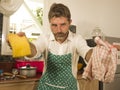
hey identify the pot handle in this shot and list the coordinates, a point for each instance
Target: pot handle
(28, 66)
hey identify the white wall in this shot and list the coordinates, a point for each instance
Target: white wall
(87, 14)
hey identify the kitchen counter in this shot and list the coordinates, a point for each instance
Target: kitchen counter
(17, 80)
(31, 84)
(20, 84)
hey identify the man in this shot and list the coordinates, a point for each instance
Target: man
(62, 49)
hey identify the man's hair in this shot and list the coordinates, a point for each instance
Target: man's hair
(59, 10)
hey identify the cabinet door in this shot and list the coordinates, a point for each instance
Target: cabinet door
(18, 86)
(88, 85)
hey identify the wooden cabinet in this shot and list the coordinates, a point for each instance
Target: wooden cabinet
(19, 84)
(88, 85)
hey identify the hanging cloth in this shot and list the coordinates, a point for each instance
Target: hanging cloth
(8, 7)
(102, 64)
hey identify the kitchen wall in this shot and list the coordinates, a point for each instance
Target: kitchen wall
(87, 14)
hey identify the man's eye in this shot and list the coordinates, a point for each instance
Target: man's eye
(63, 24)
(54, 25)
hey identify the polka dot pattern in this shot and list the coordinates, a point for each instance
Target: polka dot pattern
(58, 74)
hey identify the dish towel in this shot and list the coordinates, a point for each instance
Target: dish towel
(20, 46)
(103, 62)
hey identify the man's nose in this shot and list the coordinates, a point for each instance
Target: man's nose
(59, 29)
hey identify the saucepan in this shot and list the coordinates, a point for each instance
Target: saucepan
(28, 71)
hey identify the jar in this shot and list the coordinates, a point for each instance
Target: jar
(1, 74)
(97, 33)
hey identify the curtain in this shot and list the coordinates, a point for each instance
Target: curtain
(8, 7)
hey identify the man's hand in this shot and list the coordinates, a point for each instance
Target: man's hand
(117, 45)
(8, 43)
(88, 55)
(19, 34)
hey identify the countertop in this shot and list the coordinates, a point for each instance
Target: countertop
(20, 84)
(19, 80)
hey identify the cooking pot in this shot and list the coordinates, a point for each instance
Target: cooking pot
(28, 71)
(39, 64)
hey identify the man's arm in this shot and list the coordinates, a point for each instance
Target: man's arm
(88, 55)
(33, 50)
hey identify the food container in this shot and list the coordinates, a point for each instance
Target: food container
(28, 71)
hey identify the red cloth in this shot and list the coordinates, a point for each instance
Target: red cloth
(102, 64)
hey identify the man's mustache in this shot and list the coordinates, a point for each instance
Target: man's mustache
(60, 34)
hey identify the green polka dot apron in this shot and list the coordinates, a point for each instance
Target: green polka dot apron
(58, 75)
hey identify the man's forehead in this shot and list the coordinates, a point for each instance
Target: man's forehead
(58, 20)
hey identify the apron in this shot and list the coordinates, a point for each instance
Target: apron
(58, 75)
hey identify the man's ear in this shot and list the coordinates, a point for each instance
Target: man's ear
(70, 21)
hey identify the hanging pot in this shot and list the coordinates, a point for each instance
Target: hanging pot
(28, 71)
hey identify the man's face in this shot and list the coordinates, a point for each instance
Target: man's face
(60, 27)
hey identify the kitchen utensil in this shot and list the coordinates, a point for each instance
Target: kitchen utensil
(11, 75)
(39, 64)
(28, 71)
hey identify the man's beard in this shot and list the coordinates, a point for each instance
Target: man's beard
(60, 35)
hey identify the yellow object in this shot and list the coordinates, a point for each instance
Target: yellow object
(20, 45)
(79, 66)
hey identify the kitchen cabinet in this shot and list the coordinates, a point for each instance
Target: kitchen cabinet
(19, 84)
(31, 84)
(88, 85)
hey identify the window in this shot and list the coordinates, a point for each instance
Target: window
(28, 19)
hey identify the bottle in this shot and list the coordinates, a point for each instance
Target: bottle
(97, 33)
(1, 74)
